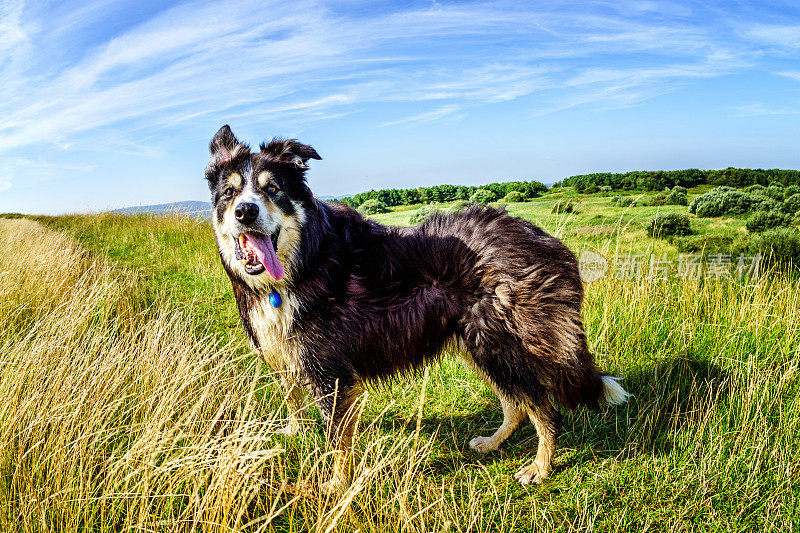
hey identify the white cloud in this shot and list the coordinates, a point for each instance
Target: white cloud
(304, 62)
(755, 109)
(4, 185)
(793, 74)
(428, 116)
(780, 35)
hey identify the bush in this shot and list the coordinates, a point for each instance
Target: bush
(668, 224)
(591, 189)
(791, 206)
(779, 244)
(755, 189)
(702, 243)
(681, 190)
(483, 196)
(422, 213)
(775, 192)
(676, 198)
(658, 199)
(565, 206)
(460, 205)
(721, 201)
(625, 201)
(791, 190)
(373, 207)
(764, 203)
(763, 220)
(514, 196)
(605, 188)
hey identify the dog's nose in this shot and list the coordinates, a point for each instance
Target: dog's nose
(246, 212)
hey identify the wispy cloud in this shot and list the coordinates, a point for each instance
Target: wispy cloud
(427, 116)
(309, 62)
(757, 109)
(780, 35)
(116, 76)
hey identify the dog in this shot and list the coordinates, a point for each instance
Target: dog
(334, 300)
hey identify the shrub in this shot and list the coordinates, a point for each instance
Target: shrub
(763, 220)
(605, 188)
(791, 206)
(668, 224)
(514, 196)
(702, 243)
(658, 199)
(373, 207)
(755, 189)
(791, 190)
(483, 196)
(676, 197)
(721, 201)
(680, 189)
(422, 213)
(625, 201)
(775, 192)
(460, 205)
(591, 189)
(781, 244)
(764, 203)
(565, 206)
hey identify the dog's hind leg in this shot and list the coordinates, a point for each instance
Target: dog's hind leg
(513, 416)
(547, 421)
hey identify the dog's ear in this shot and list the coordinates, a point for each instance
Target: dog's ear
(290, 151)
(224, 147)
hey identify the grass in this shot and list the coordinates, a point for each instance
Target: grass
(598, 221)
(130, 401)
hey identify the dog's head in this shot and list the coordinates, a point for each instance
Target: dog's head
(260, 200)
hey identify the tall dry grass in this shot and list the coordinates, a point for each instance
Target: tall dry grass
(116, 419)
(116, 416)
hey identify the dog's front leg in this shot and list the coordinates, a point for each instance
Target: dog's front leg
(341, 411)
(295, 396)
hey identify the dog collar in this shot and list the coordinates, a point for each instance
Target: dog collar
(275, 299)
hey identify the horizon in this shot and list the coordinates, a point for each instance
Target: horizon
(110, 104)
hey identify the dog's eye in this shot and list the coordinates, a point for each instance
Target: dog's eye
(228, 192)
(272, 189)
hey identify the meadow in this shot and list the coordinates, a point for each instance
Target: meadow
(130, 400)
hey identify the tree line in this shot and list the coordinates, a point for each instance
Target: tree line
(443, 193)
(648, 180)
(658, 180)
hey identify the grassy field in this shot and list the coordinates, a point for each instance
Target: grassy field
(130, 400)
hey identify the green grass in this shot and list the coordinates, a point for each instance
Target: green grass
(131, 400)
(598, 221)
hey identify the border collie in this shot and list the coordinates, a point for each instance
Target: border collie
(334, 300)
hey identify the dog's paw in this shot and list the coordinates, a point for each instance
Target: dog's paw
(483, 444)
(333, 487)
(531, 474)
(292, 428)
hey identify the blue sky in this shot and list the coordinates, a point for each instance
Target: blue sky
(108, 104)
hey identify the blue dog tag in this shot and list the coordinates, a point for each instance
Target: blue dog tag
(275, 299)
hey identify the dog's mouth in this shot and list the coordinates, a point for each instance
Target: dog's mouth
(257, 252)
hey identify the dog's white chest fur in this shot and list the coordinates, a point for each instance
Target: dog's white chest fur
(272, 327)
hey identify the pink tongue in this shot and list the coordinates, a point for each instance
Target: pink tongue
(266, 254)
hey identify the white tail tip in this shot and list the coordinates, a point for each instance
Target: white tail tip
(613, 393)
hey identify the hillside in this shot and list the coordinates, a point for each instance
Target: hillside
(130, 397)
(190, 207)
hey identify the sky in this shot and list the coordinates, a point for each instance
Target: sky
(108, 104)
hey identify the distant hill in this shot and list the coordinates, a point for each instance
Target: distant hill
(191, 207)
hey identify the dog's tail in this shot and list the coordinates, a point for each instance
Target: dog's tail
(613, 393)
